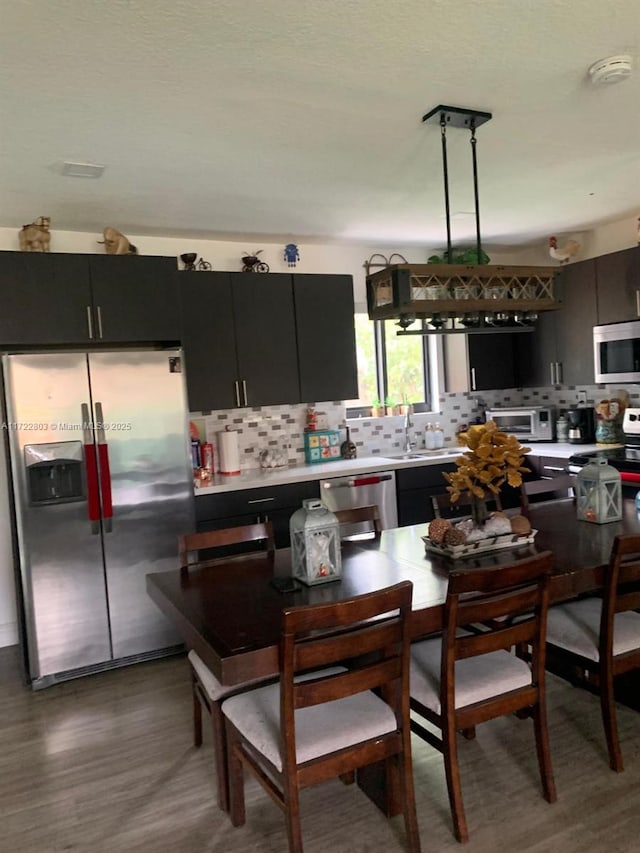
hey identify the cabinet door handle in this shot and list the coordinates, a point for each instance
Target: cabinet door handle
(237, 389)
(261, 501)
(89, 322)
(473, 379)
(554, 468)
(638, 302)
(558, 373)
(552, 372)
(99, 312)
(244, 392)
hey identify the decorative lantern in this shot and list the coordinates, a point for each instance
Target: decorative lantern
(315, 543)
(599, 492)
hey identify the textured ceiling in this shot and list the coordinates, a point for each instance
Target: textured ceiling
(302, 119)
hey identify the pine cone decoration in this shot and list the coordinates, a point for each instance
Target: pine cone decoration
(437, 530)
(454, 536)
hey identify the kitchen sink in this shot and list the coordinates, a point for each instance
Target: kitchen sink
(417, 454)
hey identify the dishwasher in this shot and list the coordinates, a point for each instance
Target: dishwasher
(362, 490)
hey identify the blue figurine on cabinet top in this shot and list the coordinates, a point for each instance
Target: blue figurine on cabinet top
(291, 254)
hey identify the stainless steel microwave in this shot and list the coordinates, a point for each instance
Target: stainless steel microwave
(527, 423)
(616, 352)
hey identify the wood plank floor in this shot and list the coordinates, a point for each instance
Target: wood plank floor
(105, 763)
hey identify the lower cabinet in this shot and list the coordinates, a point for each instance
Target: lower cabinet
(414, 489)
(247, 506)
(416, 486)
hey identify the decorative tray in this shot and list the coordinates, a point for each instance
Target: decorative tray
(481, 546)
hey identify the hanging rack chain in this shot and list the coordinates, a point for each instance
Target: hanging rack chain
(445, 170)
(474, 158)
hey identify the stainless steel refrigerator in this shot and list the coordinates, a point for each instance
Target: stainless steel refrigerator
(102, 486)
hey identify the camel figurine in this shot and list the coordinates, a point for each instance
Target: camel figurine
(115, 243)
(35, 236)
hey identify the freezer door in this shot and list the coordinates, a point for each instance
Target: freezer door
(146, 485)
(60, 547)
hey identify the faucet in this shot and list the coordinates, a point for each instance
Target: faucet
(408, 423)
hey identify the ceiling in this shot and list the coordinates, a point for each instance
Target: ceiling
(302, 120)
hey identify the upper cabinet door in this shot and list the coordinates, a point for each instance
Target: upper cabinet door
(266, 338)
(45, 298)
(492, 361)
(135, 298)
(326, 337)
(577, 317)
(618, 286)
(209, 341)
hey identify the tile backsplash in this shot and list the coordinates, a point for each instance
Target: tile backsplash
(282, 427)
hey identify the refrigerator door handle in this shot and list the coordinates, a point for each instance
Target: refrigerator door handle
(91, 467)
(105, 473)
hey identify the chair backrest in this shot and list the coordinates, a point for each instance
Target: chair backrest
(550, 487)
(510, 605)
(359, 515)
(212, 541)
(443, 508)
(622, 587)
(370, 631)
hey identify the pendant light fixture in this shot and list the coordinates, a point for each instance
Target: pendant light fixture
(465, 295)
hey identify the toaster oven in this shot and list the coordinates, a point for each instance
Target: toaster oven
(527, 423)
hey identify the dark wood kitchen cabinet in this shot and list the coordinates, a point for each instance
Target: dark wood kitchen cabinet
(326, 337)
(259, 340)
(135, 298)
(414, 489)
(618, 286)
(492, 361)
(560, 349)
(51, 298)
(239, 339)
(246, 506)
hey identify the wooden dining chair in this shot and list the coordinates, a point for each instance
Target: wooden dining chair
(466, 678)
(207, 690)
(317, 725)
(359, 515)
(549, 488)
(443, 508)
(601, 636)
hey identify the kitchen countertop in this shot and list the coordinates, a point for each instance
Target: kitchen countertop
(253, 478)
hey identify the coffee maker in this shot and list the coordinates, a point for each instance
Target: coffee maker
(582, 425)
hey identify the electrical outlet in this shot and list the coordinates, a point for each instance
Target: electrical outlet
(582, 397)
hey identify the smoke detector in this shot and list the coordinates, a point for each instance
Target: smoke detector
(612, 69)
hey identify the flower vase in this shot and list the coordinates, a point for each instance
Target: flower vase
(479, 512)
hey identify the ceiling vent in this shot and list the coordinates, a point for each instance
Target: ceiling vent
(82, 170)
(613, 69)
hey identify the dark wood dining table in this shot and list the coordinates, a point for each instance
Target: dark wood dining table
(231, 614)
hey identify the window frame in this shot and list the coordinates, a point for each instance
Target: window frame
(432, 369)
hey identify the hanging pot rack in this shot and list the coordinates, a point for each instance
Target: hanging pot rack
(458, 298)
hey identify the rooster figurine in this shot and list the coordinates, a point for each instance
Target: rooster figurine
(564, 253)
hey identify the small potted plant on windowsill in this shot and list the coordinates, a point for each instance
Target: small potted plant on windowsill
(377, 410)
(389, 405)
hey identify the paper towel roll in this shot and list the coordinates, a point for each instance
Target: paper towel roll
(228, 452)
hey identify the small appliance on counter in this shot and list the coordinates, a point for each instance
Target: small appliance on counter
(625, 459)
(527, 423)
(582, 425)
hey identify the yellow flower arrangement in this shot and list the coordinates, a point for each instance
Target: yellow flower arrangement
(493, 459)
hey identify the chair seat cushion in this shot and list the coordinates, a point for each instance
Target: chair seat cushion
(477, 678)
(320, 729)
(213, 688)
(576, 627)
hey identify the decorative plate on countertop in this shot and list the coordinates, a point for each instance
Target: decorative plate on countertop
(480, 546)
